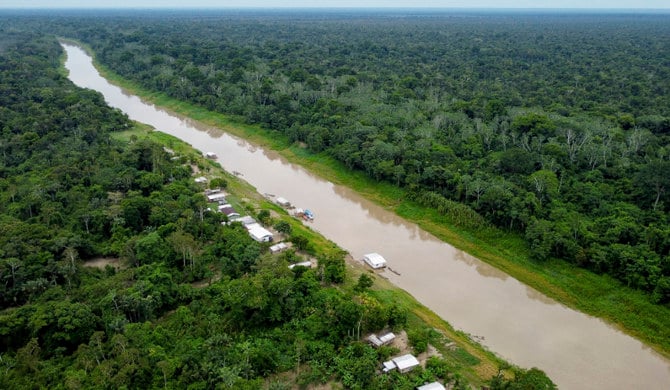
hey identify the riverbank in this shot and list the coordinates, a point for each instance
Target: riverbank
(592, 294)
(467, 358)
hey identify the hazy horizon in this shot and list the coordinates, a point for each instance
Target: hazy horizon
(343, 4)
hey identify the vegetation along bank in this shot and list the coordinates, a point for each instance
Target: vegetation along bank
(512, 139)
(185, 301)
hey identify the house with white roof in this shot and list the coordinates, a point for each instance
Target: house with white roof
(375, 260)
(431, 386)
(259, 233)
(404, 363)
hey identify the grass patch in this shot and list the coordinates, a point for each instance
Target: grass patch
(601, 296)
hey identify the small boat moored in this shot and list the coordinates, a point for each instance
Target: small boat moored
(305, 214)
(309, 215)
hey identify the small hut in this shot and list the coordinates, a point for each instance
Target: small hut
(404, 363)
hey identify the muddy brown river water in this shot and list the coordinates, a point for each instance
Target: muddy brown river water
(518, 323)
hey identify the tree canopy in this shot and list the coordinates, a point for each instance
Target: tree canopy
(73, 192)
(554, 127)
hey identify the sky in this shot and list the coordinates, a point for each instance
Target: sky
(627, 4)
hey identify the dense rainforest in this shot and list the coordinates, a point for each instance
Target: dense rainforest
(72, 192)
(555, 127)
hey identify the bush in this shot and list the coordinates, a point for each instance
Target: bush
(264, 217)
(364, 282)
(418, 339)
(218, 182)
(283, 227)
(438, 367)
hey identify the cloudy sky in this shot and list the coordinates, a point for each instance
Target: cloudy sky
(335, 3)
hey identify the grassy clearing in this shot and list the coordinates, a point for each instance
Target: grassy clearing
(601, 296)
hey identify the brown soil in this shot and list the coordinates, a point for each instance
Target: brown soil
(102, 262)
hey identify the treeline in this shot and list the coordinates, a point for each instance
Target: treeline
(555, 127)
(72, 193)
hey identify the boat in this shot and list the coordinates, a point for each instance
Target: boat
(211, 155)
(309, 215)
(375, 260)
(283, 202)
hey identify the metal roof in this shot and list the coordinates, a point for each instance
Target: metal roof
(431, 386)
(387, 338)
(374, 259)
(258, 232)
(405, 361)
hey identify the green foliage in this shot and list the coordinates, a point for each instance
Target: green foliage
(218, 182)
(151, 248)
(563, 134)
(61, 327)
(460, 214)
(533, 124)
(474, 157)
(438, 367)
(541, 238)
(419, 339)
(364, 282)
(144, 325)
(300, 242)
(357, 365)
(283, 227)
(575, 164)
(264, 217)
(333, 268)
(533, 379)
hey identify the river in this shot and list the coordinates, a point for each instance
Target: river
(522, 325)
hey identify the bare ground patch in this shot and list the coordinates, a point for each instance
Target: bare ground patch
(103, 262)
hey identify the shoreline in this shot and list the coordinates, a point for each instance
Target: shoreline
(580, 289)
(488, 362)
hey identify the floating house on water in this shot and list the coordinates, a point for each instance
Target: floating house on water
(283, 202)
(375, 260)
